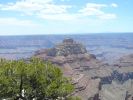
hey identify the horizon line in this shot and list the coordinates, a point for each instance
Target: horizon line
(89, 33)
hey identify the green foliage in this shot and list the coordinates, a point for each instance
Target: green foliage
(38, 79)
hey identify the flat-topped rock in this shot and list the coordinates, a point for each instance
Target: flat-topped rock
(68, 41)
(67, 47)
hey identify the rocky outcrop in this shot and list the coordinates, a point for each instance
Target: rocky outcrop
(93, 79)
(125, 61)
(119, 86)
(117, 91)
(77, 63)
(67, 47)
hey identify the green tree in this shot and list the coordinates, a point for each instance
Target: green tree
(32, 79)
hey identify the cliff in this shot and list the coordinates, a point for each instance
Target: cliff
(93, 79)
(76, 63)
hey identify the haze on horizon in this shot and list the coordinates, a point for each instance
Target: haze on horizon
(30, 17)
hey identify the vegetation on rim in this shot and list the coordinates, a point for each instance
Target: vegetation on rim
(33, 79)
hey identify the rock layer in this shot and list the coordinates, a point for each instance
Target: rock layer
(67, 47)
(93, 79)
(75, 62)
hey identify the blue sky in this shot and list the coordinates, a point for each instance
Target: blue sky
(27, 17)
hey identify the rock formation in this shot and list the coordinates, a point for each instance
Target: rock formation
(93, 79)
(67, 47)
(121, 84)
(75, 62)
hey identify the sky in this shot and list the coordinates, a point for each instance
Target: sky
(30, 17)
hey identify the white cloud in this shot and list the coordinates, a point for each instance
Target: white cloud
(47, 9)
(96, 10)
(61, 17)
(114, 5)
(95, 5)
(107, 16)
(92, 9)
(64, 0)
(54, 9)
(14, 21)
(14, 26)
(33, 7)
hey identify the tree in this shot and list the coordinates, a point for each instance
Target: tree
(32, 79)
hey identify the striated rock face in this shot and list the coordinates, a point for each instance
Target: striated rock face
(125, 61)
(117, 91)
(76, 63)
(120, 86)
(93, 79)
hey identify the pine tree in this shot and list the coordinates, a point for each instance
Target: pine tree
(32, 79)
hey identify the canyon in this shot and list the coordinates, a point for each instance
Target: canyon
(93, 79)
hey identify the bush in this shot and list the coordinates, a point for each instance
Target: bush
(32, 79)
